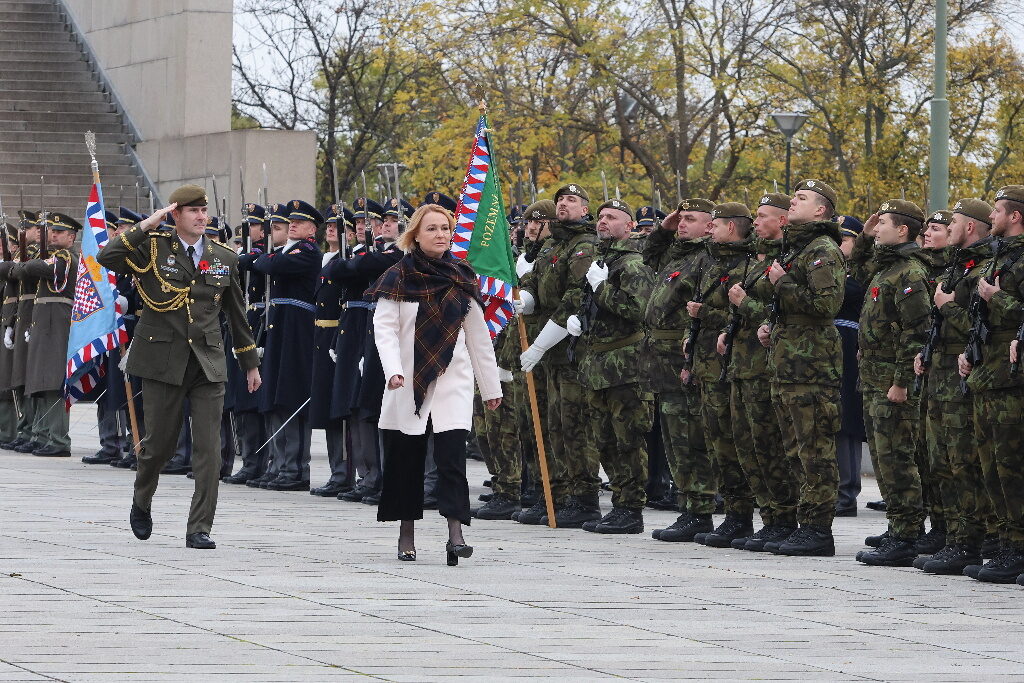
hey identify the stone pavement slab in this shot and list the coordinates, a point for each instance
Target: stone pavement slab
(306, 588)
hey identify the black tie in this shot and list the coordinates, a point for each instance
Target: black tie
(192, 255)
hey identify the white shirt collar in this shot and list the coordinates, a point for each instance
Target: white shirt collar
(199, 248)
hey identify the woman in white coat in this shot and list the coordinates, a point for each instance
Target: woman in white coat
(432, 339)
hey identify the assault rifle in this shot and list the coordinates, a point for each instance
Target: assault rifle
(935, 324)
(977, 312)
(587, 312)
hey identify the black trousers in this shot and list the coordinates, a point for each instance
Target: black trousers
(401, 496)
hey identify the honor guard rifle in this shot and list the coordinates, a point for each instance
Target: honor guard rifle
(246, 235)
(3, 239)
(44, 250)
(398, 196)
(23, 227)
(339, 207)
(367, 230)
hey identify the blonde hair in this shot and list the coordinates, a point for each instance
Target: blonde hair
(407, 240)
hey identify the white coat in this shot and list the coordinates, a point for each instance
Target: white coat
(394, 331)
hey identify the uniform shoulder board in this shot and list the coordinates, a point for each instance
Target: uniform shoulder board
(225, 247)
(161, 233)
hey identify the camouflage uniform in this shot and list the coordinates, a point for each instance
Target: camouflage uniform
(622, 412)
(556, 285)
(773, 476)
(730, 267)
(500, 428)
(805, 359)
(678, 264)
(893, 326)
(999, 400)
(952, 444)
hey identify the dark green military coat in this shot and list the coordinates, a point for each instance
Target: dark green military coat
(51, 320)
(8, 312)
(27, 286)
(750, 357)
(731, 263)
(182, 305)
(1005, 314)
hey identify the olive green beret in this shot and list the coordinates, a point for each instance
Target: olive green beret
(543, 210)
(941, 216)
(731, 210)
(189, 195)
(60, 221)
(901, 207)
(1015, 193)
(977, 209)
(574, 190)
(696, 204)
(616, 204)
(824, 189)
(776, 199)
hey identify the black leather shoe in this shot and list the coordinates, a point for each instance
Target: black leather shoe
(329, 490)
(619, 521)
(176, 466)
(141, 522)
(201, 541)
(28, 447)
(878, 505)
(498, 507)
(355, 495)
(455, 551)
(1020, 580)
(239, 477)
(11, 445)
(953, 561)
(190, 475)
(808, 542)
(429, 502)
(896, 552)
(846, 511)
(101, 458)
(373, 498)
(125, 463)
(52, 452)
(733, 527)
(281, 484)
(692, 525)
(261, 481)
(932, 542)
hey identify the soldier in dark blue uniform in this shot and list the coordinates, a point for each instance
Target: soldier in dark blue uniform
(287, 358)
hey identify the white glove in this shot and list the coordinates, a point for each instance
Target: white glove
(574, 326)
(121, 303)
(548, 337)
(27, 336)
(9, 338)
(504, 375)
(361, 366)
(596, 274)
(333, 354)
(259, 352)
(523, 266)
(525, 304)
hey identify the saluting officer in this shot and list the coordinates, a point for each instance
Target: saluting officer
(185, 281)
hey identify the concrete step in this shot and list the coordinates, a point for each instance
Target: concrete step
(37, 149)
(20, 61)
(73, 188)
(50, 16)
(44, 127)
(74, 137)
(54, 117)
(49, 75)
(84, 81)
(20, 39)
(47, 96)
(56, 106)
(19, 49)
(56, 162)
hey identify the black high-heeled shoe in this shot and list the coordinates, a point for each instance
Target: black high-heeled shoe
(407, 555)
(456, 551)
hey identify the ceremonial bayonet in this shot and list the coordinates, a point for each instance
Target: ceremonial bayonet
(367, 230)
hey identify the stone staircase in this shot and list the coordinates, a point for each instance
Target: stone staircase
(49, 97)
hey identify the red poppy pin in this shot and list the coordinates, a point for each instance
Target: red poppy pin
(672, 276)
(204, 266)
(554, 260)
(723, 279)
(874, 293)
(969, 265)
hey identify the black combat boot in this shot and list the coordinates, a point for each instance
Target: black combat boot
(778, 537)
(922, 560)
(534, 514)
(953, 560)
(732, 527)
(621, 521)
(577, 511)
(696, 524)
(990, 547)
(498, 507)
(1007, 571)
(877, 541)
(896, 552)
(681, 521)
(973, 570)
(933, 541)
(808, 541)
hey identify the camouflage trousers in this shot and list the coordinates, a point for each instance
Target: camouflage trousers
(691, 466)
(893, 431)
(773, 477)
(504, 452)
(716, 411)
(573, 462)
(936, 507)
(808, 416)
(953, 453)
(999, 432)
(620, 419)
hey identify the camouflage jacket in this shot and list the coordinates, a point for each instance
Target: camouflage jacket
(749, 356)
(731, 262)
(558, 276)
(612, 355)
(1005, 314)
(665, 313)
(805, 346)
(967, 264)
(894, 319)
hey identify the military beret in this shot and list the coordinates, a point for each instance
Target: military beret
(696, 204)
(128, 217)
(776, 199)
(825, 190)
(277, 213)
(303, 211)
(646, 215)
(254, 213)
(60, 221)
(367, 208)
(393, 207)
(731, 210)
(617, 204)
(850, 226)
(515, 213)
(977, 209)
(441, 199)
(543, 210)
(189, 195)
(901, 207)
(1014, 193)
(573, 189)
(941, 216)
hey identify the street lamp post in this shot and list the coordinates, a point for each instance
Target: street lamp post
(938, 175)
(789, 122)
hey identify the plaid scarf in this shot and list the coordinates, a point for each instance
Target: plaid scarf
(443, 288)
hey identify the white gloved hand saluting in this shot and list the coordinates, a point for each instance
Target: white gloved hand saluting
(525, 304)
(548, 337)
(333, 354)
(574, 326)
(596, 274)
(9, 338)
(523, 266)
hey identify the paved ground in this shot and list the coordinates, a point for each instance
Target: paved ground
(306, 588)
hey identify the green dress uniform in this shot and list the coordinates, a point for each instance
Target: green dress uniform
(178, 351)
(27, 287)
(8, 409)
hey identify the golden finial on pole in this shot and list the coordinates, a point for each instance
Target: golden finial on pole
(90, 144)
